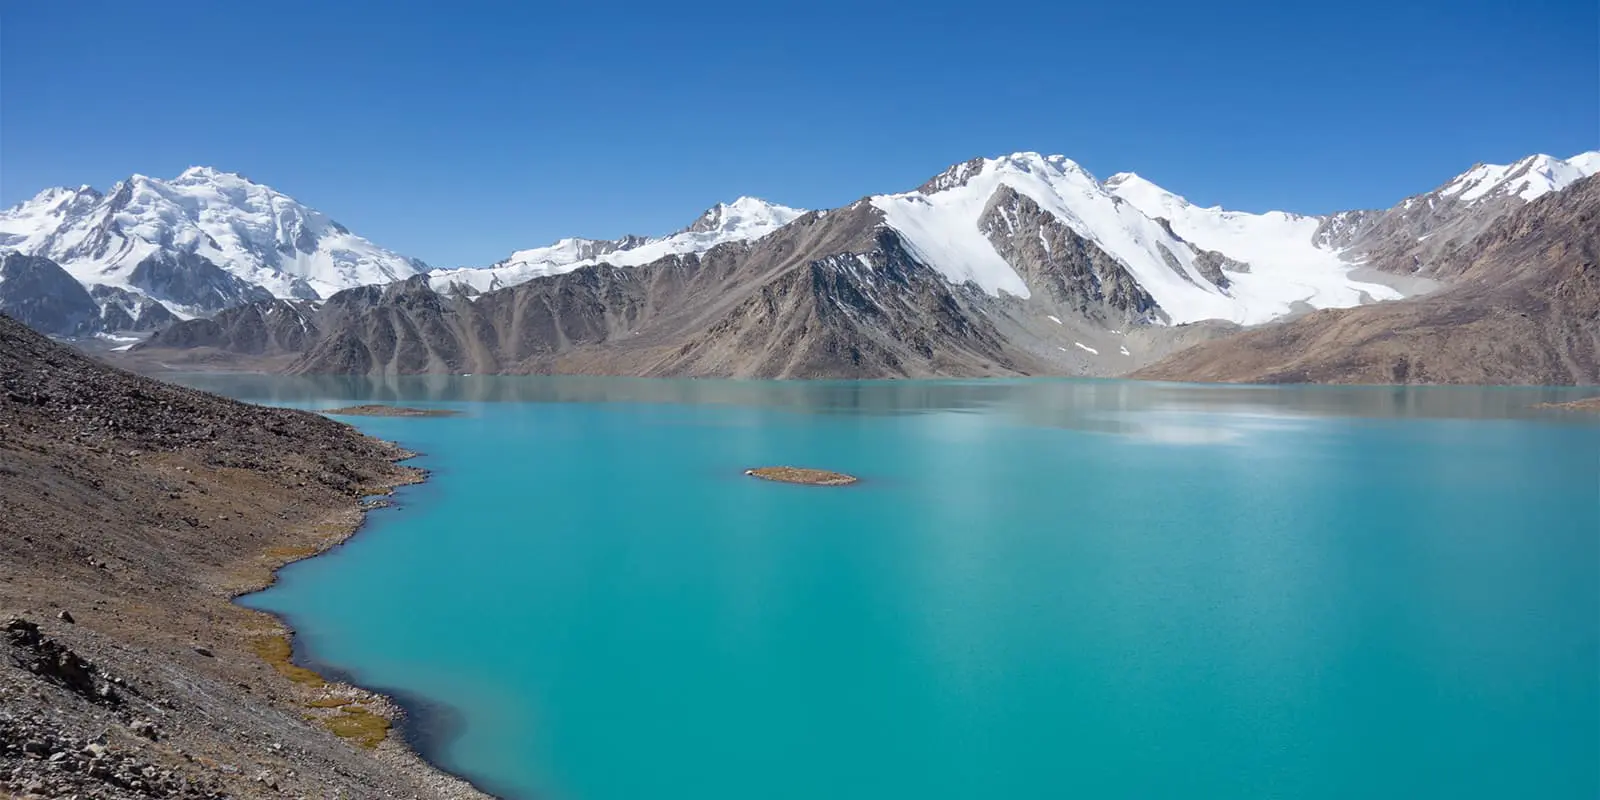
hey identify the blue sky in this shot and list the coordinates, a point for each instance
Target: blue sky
(459, 132)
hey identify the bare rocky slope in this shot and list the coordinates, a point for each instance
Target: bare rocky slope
(1522, 307)
(131, 512)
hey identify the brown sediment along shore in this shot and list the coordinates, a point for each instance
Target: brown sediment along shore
(375, 410)
(132, 512)
(1585, 404)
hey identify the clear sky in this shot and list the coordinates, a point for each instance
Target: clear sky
(457, 132)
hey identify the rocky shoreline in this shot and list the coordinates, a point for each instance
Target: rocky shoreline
(132, 513)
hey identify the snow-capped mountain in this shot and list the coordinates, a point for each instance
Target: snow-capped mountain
(1280, 261)
(745, 219)
(202, 241)
(1418, 233)
(1160, 238)
(1528, 178)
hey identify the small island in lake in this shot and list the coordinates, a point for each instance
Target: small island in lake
(807, 476)
(375, 410)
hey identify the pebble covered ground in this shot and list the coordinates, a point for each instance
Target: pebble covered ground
(132, 512)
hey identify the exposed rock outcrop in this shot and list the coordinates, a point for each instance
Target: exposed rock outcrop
(1069, 269)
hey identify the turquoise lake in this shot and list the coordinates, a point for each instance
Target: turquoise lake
(1040, 589)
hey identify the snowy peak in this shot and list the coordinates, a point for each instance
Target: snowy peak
(202, 173)
(1146, 195)
(1527, 179)
(744, 216)
(1276, 262)
(745, 219)
(1170, 247)
(1027, 163)
(25, 227)
(254, 234)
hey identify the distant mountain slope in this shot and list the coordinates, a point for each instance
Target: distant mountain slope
(745, 219)
(1523, 308)
(201, 242)
(1416, 234)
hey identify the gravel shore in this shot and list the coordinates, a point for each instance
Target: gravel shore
(132, 512)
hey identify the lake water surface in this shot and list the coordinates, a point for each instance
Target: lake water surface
(1040, 589)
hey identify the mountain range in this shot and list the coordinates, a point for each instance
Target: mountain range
(1021, 264)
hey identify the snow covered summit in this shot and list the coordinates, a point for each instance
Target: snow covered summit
(193, 233)
(1163, 242)
(745, 219)
(1528, 178)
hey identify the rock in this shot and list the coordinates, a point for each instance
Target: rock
(22, 633)
(66, 616)
(204, 651)
(35, 748)
(53, 661)
(143, 727)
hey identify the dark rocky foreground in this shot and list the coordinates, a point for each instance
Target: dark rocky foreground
(131, 513)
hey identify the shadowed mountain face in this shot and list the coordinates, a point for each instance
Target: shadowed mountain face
(123, 311)
(1522, 307)
(192, 281)
(267, 327)
(41, 295)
